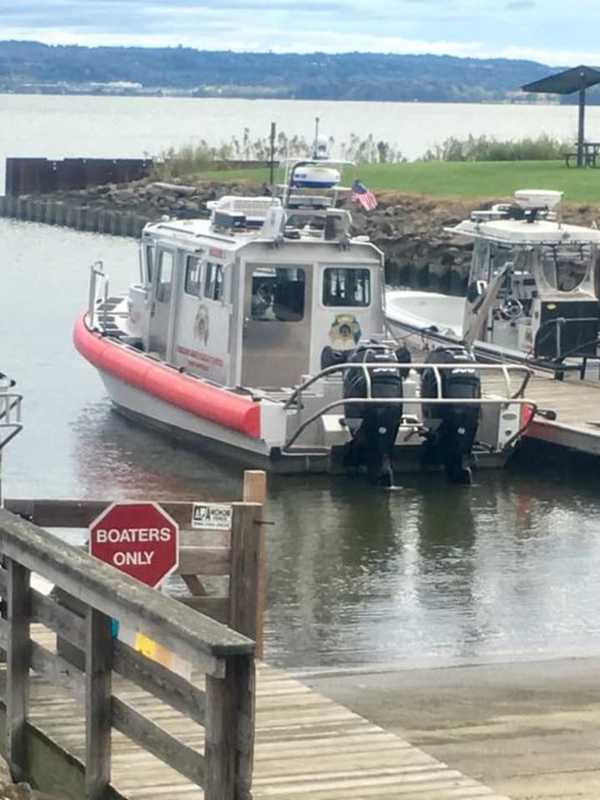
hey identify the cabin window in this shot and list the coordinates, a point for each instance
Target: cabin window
(149, 263)
(278, 294)
(193, 275)
(165, 275)
(213, 281)
(346, 286)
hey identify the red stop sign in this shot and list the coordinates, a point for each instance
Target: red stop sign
(137, 538)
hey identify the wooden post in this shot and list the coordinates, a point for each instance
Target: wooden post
(255, 491)
(98, 691)
(229, 749)
(246, 592)
(255, 486)
(17, 666)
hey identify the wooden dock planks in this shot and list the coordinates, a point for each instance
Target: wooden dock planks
(576, 403)
(307, 746)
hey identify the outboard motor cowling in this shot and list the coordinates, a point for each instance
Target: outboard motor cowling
(454, 426)
(374, 426)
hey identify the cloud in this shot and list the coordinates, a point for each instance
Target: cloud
(453, 27)
(520, 5)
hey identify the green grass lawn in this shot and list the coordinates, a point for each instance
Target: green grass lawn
(459, 179)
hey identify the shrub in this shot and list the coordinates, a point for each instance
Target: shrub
(483, 148)
(191, 159)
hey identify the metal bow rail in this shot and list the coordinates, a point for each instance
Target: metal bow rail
(98, 297)
(10, 410)
(10, 416)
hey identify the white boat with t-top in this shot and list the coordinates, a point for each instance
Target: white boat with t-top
(261, 332)
(532, 292)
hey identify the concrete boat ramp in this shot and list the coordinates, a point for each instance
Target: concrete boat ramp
(307, 746)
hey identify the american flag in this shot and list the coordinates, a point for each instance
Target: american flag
(360, 194)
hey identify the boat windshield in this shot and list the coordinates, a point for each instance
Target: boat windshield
(566, 268)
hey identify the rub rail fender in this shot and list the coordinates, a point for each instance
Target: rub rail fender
(188, 393)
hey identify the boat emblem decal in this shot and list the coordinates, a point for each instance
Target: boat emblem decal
(345, 332)
(201, 329)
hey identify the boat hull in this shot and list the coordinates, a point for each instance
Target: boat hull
(444, 328)
(137, 390)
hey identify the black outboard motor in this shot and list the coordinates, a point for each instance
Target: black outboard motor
(373, 426)
(451, 442)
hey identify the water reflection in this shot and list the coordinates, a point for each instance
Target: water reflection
(111, 451)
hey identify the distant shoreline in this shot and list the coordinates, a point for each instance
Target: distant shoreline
(183, 95)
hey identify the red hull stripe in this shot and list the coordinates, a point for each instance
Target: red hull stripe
(183, 391)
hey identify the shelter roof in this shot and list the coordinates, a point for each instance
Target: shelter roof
(571, 80)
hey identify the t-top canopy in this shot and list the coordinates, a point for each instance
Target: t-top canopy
(567, 82)
(577, 79)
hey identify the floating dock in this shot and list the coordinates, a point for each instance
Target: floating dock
(575, 402)
(577, 406)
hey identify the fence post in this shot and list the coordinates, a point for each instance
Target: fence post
(18, 658)
(98, 692)
(230, 713)
(246, 592)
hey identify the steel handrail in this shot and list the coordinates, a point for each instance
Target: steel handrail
(365, 366)
(96, 273)
(392, 401)
(559, 323)
(8, 402)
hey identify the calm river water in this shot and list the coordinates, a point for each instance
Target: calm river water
(428, 574)
(58, 126)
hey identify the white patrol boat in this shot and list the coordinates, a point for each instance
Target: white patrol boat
(261, 332)
(532, 293)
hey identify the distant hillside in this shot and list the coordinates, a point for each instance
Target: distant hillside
(34, 67)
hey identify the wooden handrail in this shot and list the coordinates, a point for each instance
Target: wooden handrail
(225, 708)
(115, 594)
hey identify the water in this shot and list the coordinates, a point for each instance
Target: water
(428, 574)
(59, 126)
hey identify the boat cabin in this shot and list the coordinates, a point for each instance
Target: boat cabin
(252, 296)
(532, 283)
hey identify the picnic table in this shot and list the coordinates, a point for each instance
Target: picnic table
(591, 155)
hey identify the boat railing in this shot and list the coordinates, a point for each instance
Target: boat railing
(10, 410)
(98, 295)
(559, 324)
(504, 370)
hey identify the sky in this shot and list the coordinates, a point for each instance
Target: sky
(551, 31)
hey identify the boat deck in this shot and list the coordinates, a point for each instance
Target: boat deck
(307, 746)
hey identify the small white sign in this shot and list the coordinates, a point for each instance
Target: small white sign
(213, 516)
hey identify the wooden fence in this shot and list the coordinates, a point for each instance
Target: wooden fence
(224, 570)
(225, 707)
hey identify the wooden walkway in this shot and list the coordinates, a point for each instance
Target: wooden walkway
(307, 746)
(575, 402)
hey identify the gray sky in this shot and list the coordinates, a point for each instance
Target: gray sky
(555, 32)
